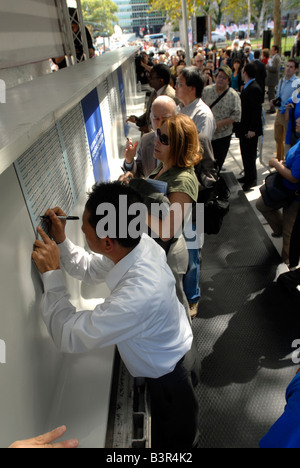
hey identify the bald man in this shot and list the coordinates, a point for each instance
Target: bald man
(145, 163)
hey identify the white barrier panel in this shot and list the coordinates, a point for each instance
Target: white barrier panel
(2, 92)
(2, 352)
(29, 32)
(47, 142)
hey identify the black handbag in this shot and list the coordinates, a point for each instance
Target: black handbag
(290, 282)
(216, 205)
(275, 194)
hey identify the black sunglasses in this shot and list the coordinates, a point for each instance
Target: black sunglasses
(164, 139)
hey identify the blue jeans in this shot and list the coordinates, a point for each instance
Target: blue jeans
(191, 278)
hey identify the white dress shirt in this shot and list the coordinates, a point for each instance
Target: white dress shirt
(142, 316)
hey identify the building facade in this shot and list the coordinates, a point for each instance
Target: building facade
(135, 16)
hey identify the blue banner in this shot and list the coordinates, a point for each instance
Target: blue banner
(95, 135)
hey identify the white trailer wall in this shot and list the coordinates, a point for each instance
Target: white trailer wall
(39, 387)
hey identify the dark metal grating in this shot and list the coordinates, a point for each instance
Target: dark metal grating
(244, 331)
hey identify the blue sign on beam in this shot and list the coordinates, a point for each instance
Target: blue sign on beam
(95, 135)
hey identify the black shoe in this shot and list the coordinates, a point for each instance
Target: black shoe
(290, 281)
(276, 236)
(247, 187)
(241, 180)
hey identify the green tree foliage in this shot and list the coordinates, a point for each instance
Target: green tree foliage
(219, 10)
(100, 15)
(173, 10)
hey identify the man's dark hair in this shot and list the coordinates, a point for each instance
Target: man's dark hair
(257, 54)
(73, 14)
(250, 69)
(295, 62)
(276, 47)
(110, 192)
(193, 78)
(163, 72)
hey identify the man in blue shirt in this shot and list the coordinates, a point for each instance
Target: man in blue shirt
(285, 90)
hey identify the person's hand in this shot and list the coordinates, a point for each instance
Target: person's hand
(45, 441)
(273, 162)
(126, 177)
(130, 151)
(251, 134)
(56, 225)
(46, 254)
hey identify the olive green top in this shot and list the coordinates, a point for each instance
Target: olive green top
(179, 179)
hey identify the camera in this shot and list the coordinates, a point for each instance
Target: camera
(277, 102)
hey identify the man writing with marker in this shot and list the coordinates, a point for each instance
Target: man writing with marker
(142, 315)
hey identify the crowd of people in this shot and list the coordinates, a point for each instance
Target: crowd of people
(154, 280)
(225, 93)
(221, 98)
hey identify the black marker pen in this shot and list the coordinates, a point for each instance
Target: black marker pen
(64, 218)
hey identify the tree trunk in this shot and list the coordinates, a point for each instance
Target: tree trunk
(261, 19)
(277, 23)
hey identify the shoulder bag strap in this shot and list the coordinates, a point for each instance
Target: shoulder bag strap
(219, 98)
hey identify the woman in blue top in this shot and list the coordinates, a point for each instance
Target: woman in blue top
(282, 222)
(292, 113)
(285, 433)
(236, 78)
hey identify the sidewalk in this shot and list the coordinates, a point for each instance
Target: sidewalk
(246, 325)
(234, 164)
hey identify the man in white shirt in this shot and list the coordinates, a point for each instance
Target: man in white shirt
(142, 315)
(189, 88)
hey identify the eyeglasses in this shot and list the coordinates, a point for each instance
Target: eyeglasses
(164, 139)
(179, 85)
(222, 77)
